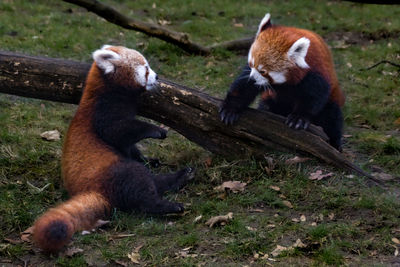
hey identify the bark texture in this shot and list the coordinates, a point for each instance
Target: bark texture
(192, 113)
(179, 39)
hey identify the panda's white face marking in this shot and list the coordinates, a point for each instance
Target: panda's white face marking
(151, 80)
(277, 77)
(145, 76)
(140, 75)
(260, 80)
(120, 59)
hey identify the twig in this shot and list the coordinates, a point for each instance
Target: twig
(382, 62)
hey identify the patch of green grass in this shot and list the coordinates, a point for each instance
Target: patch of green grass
(319, 232)
(329, 255)
(188, 240)
(73, 261)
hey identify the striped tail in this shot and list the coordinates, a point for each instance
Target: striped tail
(54, 229)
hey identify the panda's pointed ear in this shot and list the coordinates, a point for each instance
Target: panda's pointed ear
(105, 59)
(264, 24)
(298, 51)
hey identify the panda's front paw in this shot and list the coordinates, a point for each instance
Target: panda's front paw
(176, 208)
(298, 122)
(153, 162)
(160, 134)
(228, 115)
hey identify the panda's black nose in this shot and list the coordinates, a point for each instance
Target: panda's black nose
(156, 77)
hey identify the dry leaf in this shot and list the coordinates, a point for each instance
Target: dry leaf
(26, 235)
(234, 186)
(275, 188)
(270, 163)
(299, 244)
(72, 251)
(331, 216)
(251, 228)
(137, 248)
(164, 22)
(223, 219)
(51, 135)
(295, 160)
(197, 219)
(287, 204)
(271, 226)
(396, 252)
(185, 254)
(295, 220)
(397, 121)
(134, 256)
(282, 196)
(313, 224)
(303, 218)
(278, 250)
(396, 241)
(382, 176)
(238, 25)
(319, 176)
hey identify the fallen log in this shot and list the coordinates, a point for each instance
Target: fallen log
(110, 14)
(192, 113)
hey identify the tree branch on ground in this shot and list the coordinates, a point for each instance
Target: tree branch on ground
(179, 39)
(63, 81)
(377, 2)
(382, 62)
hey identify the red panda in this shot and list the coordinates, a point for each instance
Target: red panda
(293, 70)
(101, 167)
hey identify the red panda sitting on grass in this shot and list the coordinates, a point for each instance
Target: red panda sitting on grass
(294, 72)
(101, 167)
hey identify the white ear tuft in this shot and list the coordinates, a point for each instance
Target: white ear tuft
(298, 52)
(103, 58)
(265, 23)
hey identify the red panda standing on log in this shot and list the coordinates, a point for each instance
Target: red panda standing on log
(294, 71)
(101, 166)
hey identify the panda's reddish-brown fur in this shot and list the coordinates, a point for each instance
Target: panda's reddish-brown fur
(271, 46)
(55, 228)
(102, 170)
(293, 71)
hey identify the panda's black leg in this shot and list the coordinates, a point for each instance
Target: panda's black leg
(173, 181)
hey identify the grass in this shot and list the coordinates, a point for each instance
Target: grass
(346, 221)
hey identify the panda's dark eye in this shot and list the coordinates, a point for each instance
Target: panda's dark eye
(262, 72)
(147, 72)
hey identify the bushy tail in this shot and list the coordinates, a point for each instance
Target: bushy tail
(54, 229)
